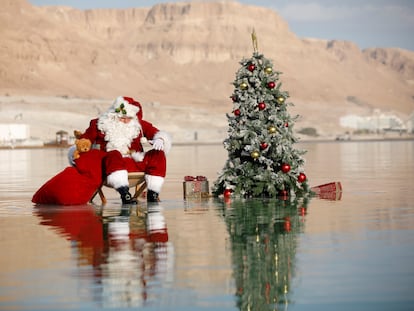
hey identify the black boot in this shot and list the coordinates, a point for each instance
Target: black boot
(126, 196)
(125, 210)
(152, 196)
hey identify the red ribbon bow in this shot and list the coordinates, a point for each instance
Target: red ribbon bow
(196, 178)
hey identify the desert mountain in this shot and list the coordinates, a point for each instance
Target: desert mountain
(179, 60)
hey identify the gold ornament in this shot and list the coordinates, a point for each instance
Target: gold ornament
(255, 154)
(271, 129)
(243, 85)
(281, 99)
(268, 70)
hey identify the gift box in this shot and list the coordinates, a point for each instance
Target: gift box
(195, 187)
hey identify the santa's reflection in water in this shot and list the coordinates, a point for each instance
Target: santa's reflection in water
(121, 254)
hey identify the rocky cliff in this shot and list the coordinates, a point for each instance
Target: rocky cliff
(185, 55)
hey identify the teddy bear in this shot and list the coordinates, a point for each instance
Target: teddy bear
(77, 133)
(82, 145)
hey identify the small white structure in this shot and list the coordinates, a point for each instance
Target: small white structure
(376, 122)
(410, 123)
(350, 121)
(17, 135)
(62, 137)
(11, 132)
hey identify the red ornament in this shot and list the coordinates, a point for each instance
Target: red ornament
(283, 194)
(251, 67)
(286, 124)
(227, 193)
(234, 98)
(261, 106)
(263, 145)
(287, 224)
(285, 168)
(271, 85)
(236, 112)
(301, 177)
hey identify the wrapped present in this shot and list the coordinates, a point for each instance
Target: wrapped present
(195, 187)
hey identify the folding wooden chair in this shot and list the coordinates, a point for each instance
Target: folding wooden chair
(136, 180)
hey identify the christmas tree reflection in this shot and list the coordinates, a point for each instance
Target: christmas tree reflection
(263, 237)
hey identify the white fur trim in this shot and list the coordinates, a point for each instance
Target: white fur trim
(166, 138)
(131, 110)
(138, 156)
(155, 221)
(154, 183)
(119, 229)
(118, 179)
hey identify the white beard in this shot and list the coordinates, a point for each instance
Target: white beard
(118, 135)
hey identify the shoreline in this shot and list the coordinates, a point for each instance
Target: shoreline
(207, 143)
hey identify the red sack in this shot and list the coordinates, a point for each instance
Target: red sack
(74, 185)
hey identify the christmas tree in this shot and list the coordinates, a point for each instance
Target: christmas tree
(262, 159)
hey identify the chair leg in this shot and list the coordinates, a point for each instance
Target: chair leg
(102, 196)
(93, 196)
(139, 188)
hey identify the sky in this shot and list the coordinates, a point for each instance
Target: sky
(367, 23)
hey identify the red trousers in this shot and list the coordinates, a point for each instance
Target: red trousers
(154, 163)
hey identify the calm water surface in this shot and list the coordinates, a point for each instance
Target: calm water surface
(352, 253)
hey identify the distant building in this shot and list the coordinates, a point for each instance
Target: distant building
(17, 135)
(13, 132)
(376, 122)
(62, 138)
(350, 121)
(410, 123)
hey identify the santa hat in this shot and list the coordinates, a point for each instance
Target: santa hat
(127, 107)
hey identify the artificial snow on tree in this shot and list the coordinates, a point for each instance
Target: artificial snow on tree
(262, 159)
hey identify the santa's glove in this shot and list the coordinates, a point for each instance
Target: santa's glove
(158, 144)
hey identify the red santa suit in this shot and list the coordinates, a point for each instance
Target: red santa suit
(122, 142)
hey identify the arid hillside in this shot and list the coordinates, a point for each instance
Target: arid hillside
(179, 60)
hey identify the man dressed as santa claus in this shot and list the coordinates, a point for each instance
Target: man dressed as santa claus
(118, 131)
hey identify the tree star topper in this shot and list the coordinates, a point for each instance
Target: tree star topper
(254, 41)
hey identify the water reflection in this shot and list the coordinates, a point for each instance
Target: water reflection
(263, 237)
(118, 254)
